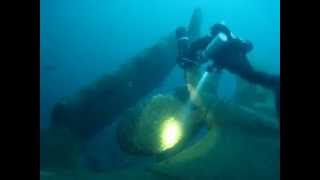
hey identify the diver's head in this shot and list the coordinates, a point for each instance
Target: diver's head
(181, 32)
(219, 27)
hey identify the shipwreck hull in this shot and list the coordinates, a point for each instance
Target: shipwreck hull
(98, 105)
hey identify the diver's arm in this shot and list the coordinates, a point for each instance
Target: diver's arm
(263, 79)
(243, 68)
(269, 81)
(273, 83)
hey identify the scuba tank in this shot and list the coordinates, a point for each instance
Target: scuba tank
(212, 48)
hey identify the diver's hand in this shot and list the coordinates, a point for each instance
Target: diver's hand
(202, 58)
(185, 63)
(209, 68)
(214, 69)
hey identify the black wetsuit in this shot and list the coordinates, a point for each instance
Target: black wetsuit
(232, 57)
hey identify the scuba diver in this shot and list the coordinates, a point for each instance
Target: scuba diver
(224, 51)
